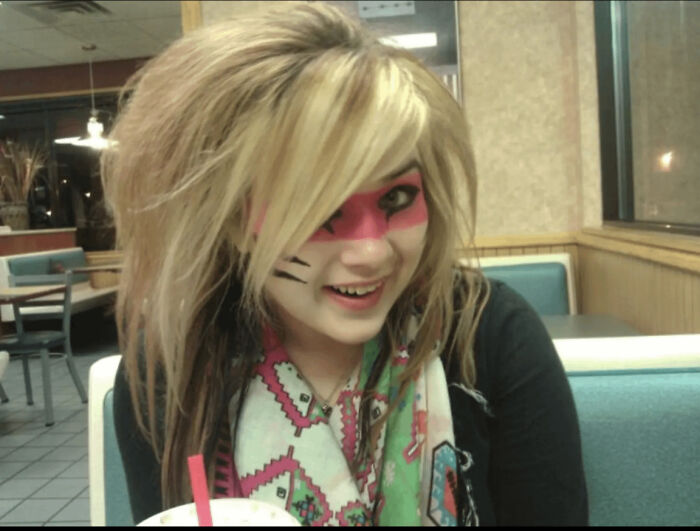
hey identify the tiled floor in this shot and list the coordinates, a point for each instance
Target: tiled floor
(44, 471)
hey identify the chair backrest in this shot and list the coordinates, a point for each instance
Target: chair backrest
(109, 498)
(544, 280)
(48, 262)
(39, 263)
(60, 305)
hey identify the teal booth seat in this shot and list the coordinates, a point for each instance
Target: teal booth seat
(640, 434)
(117, 505)
(47, 263)
(542, 284)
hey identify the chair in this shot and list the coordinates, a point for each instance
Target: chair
(109, 498)
(29, 342)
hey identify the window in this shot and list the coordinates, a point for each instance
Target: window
(648, 56)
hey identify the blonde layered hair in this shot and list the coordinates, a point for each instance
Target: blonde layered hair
(293, 112)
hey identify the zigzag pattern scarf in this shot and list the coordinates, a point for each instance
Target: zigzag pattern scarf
(290, 454)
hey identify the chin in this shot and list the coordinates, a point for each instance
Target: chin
(355, 333)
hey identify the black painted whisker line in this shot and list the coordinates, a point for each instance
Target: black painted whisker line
(296, 260)
(288, 276)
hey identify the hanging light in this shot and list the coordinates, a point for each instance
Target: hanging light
(95, 128)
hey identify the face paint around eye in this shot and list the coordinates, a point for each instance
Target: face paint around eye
(328, 225)
(398, 198)
(396, 206)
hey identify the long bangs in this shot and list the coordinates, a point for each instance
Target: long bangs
(334, 133)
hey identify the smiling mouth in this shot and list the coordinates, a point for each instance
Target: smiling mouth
(357, 297)
(356, 291)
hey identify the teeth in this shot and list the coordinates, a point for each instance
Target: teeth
(356, 291)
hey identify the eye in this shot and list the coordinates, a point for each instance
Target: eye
(398, 198)
(328, 224)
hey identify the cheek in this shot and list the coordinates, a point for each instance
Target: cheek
(409, 243)
(310, 264)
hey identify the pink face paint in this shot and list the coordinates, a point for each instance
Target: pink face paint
(364, 215)
(261, 218)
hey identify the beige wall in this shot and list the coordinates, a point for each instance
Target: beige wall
(530, 94)
(215, 11)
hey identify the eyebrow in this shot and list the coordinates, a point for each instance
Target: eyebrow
(398, 173)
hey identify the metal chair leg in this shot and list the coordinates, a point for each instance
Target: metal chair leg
(74, 371)
(46, 376)
(27, 379)
(3, 395)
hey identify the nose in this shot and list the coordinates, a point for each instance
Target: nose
(368, 254)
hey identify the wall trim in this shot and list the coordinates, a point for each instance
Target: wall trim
(679, 251)
(675, 242)
(525, 240)
(47, 95)
(191, 14)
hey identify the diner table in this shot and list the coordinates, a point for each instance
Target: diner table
(115, 268)
(587, 325)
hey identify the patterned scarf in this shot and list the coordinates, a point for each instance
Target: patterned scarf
(292, 455)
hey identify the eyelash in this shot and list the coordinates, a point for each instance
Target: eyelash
(327, 225)
(409, 190)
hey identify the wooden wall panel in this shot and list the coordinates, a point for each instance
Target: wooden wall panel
(650, 281)
(34, 241)
(191, 15)
(653, 297)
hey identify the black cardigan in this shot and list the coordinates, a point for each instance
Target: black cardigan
(518, 435)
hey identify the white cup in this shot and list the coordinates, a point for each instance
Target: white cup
(225, 512)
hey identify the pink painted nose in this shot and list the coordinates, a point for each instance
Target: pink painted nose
(369, 253)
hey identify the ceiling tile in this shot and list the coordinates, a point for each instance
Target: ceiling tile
(165, 29)
(13, 20)
(23, 59)
(70, 56)
(101, 31)
(134, 10)
(41, 39)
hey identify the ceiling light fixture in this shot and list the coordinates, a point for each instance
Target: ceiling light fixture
(411, 40)
(95, 128)
(67, 140)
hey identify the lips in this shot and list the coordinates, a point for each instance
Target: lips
(356, 290)
(359, 296)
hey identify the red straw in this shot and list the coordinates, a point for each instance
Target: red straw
(200, 492)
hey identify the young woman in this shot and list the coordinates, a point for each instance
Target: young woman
(292, 198)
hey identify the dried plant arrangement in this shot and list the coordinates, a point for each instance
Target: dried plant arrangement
(19, 165)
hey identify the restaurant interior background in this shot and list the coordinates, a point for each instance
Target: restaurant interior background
(583, 118)
(582, 122)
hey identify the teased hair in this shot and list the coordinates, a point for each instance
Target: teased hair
(297, 110)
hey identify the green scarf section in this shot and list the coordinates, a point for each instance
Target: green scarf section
(399, 483)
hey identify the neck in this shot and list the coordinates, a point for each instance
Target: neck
(323, 361)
